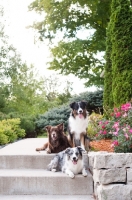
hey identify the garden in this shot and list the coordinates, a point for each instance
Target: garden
(29, 102)
(113, 134)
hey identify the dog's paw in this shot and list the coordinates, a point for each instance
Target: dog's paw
(53, 170)
(48, 150)
(71, 175)
(37, 149)
(84, 173)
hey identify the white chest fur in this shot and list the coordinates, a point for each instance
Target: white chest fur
(78, 125)
(77, 168)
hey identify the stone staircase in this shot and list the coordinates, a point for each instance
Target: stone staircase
(23, 175)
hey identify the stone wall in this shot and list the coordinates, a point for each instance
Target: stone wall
(112, 175)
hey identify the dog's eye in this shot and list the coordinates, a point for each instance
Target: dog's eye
(70, 153)
(77, 154)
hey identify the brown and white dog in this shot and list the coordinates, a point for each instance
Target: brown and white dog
(77, 125)
(57, 140)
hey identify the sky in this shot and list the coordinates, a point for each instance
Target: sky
(17, 19)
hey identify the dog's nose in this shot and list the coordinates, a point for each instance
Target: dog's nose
(74, 158)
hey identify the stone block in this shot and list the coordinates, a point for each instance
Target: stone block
(114, 192)
(106, 176)
(112, 160)
(96, 185)
(92, 155)
(129, 176)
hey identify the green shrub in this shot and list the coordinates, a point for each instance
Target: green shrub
(3, 116)
(27, 123)
(3, 137)
(54, 117)
(92, 130)
(10, 130)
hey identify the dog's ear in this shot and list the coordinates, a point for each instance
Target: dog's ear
(72, 105)
(80, 149)
(61, 127)
(85, 102)
(67, 150)
(47, 128)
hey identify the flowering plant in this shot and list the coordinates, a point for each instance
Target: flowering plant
(119, 128)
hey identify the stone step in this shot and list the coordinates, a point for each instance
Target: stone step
(25, 161)
(22, 154)
(39, 181)
(47, 197)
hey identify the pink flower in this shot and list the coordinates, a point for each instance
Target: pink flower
(106, 122)
(104, 132)
(117, 129)
(126, 107)
(100, 132)
(130, 130)
(126, 136)
(115, 109)
(115, 133)
(124, 115)
(112, 145)
(118, 114)
(116, 124)
(115, 143)
(103, 126)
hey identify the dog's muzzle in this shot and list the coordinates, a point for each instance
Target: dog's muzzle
(80, 113)
(54, 137)
(74, 161)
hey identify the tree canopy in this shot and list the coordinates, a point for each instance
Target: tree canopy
(79, 26)
(22, 90)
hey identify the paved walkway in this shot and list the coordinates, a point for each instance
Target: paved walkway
(24, 147)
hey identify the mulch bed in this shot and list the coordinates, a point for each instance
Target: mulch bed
(102, 145)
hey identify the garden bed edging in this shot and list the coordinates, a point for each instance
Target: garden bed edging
(112, 175)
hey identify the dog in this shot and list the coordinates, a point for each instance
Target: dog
(57, 140)
(71, 161)
(77, 125)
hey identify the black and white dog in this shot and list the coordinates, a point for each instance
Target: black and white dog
(77, 125)
(71, 161)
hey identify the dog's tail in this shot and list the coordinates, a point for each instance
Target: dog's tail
(87, 143)
(53, 165)
(88, 138)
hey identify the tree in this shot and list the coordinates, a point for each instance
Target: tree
(108, 95)
(120, 34)
(25, 92)
(77, 58)
(9, 58)
(75, 54)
